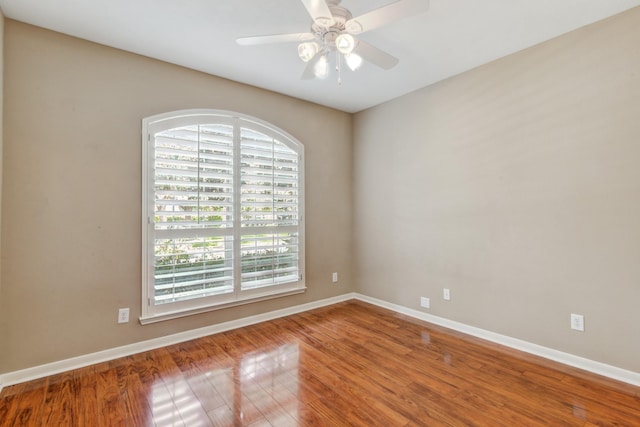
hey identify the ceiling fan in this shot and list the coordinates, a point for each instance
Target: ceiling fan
(332, 33)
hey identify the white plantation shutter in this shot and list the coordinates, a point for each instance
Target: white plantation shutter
(193, 214)
(270, 198)
(222, 212)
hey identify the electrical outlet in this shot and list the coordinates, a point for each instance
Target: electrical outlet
(334, 277)
(446, 294)
(425, 302)
(123, 315)
(577, 322)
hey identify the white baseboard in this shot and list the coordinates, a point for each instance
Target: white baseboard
(41, 371)
(535, 349)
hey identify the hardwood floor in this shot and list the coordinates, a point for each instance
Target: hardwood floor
(350, 364)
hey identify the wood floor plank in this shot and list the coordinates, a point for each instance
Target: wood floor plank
(28, 406)
(85, 408)
(349, 364)
(59, 401)
(110, 408)
(135, 397)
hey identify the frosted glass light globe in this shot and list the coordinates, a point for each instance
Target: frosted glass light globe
(345, 43)
(321, 68)
(354, 61)
(306, 51)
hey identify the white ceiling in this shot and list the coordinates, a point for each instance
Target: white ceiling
(452, 37)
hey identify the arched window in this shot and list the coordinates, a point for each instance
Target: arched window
(222, 212)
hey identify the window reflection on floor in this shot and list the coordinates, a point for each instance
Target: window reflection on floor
(259, 387)
(164, 410)
(270, 381)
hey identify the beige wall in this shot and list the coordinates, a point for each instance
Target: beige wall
(71, 220)
(517, 186)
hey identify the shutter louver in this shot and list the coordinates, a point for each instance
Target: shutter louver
(269, 259)
(192, 268)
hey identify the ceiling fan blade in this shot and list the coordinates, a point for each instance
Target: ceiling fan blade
(376, 56)
(386, 15)
(275, 38)
(308, 73)
(320, 12)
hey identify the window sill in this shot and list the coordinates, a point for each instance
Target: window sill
(146, 320)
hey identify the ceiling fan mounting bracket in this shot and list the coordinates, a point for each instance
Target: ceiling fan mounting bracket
(327, 34)
(340, 16)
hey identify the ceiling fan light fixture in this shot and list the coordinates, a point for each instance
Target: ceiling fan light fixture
(306, 51)
(333, 32)
(321, 68)
(345, 43)
(354, 61)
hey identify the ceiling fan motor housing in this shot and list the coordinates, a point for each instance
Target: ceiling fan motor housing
(340, 16)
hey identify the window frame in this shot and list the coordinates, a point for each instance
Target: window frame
(152, 313)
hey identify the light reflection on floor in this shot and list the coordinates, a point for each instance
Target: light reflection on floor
(261, 386)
